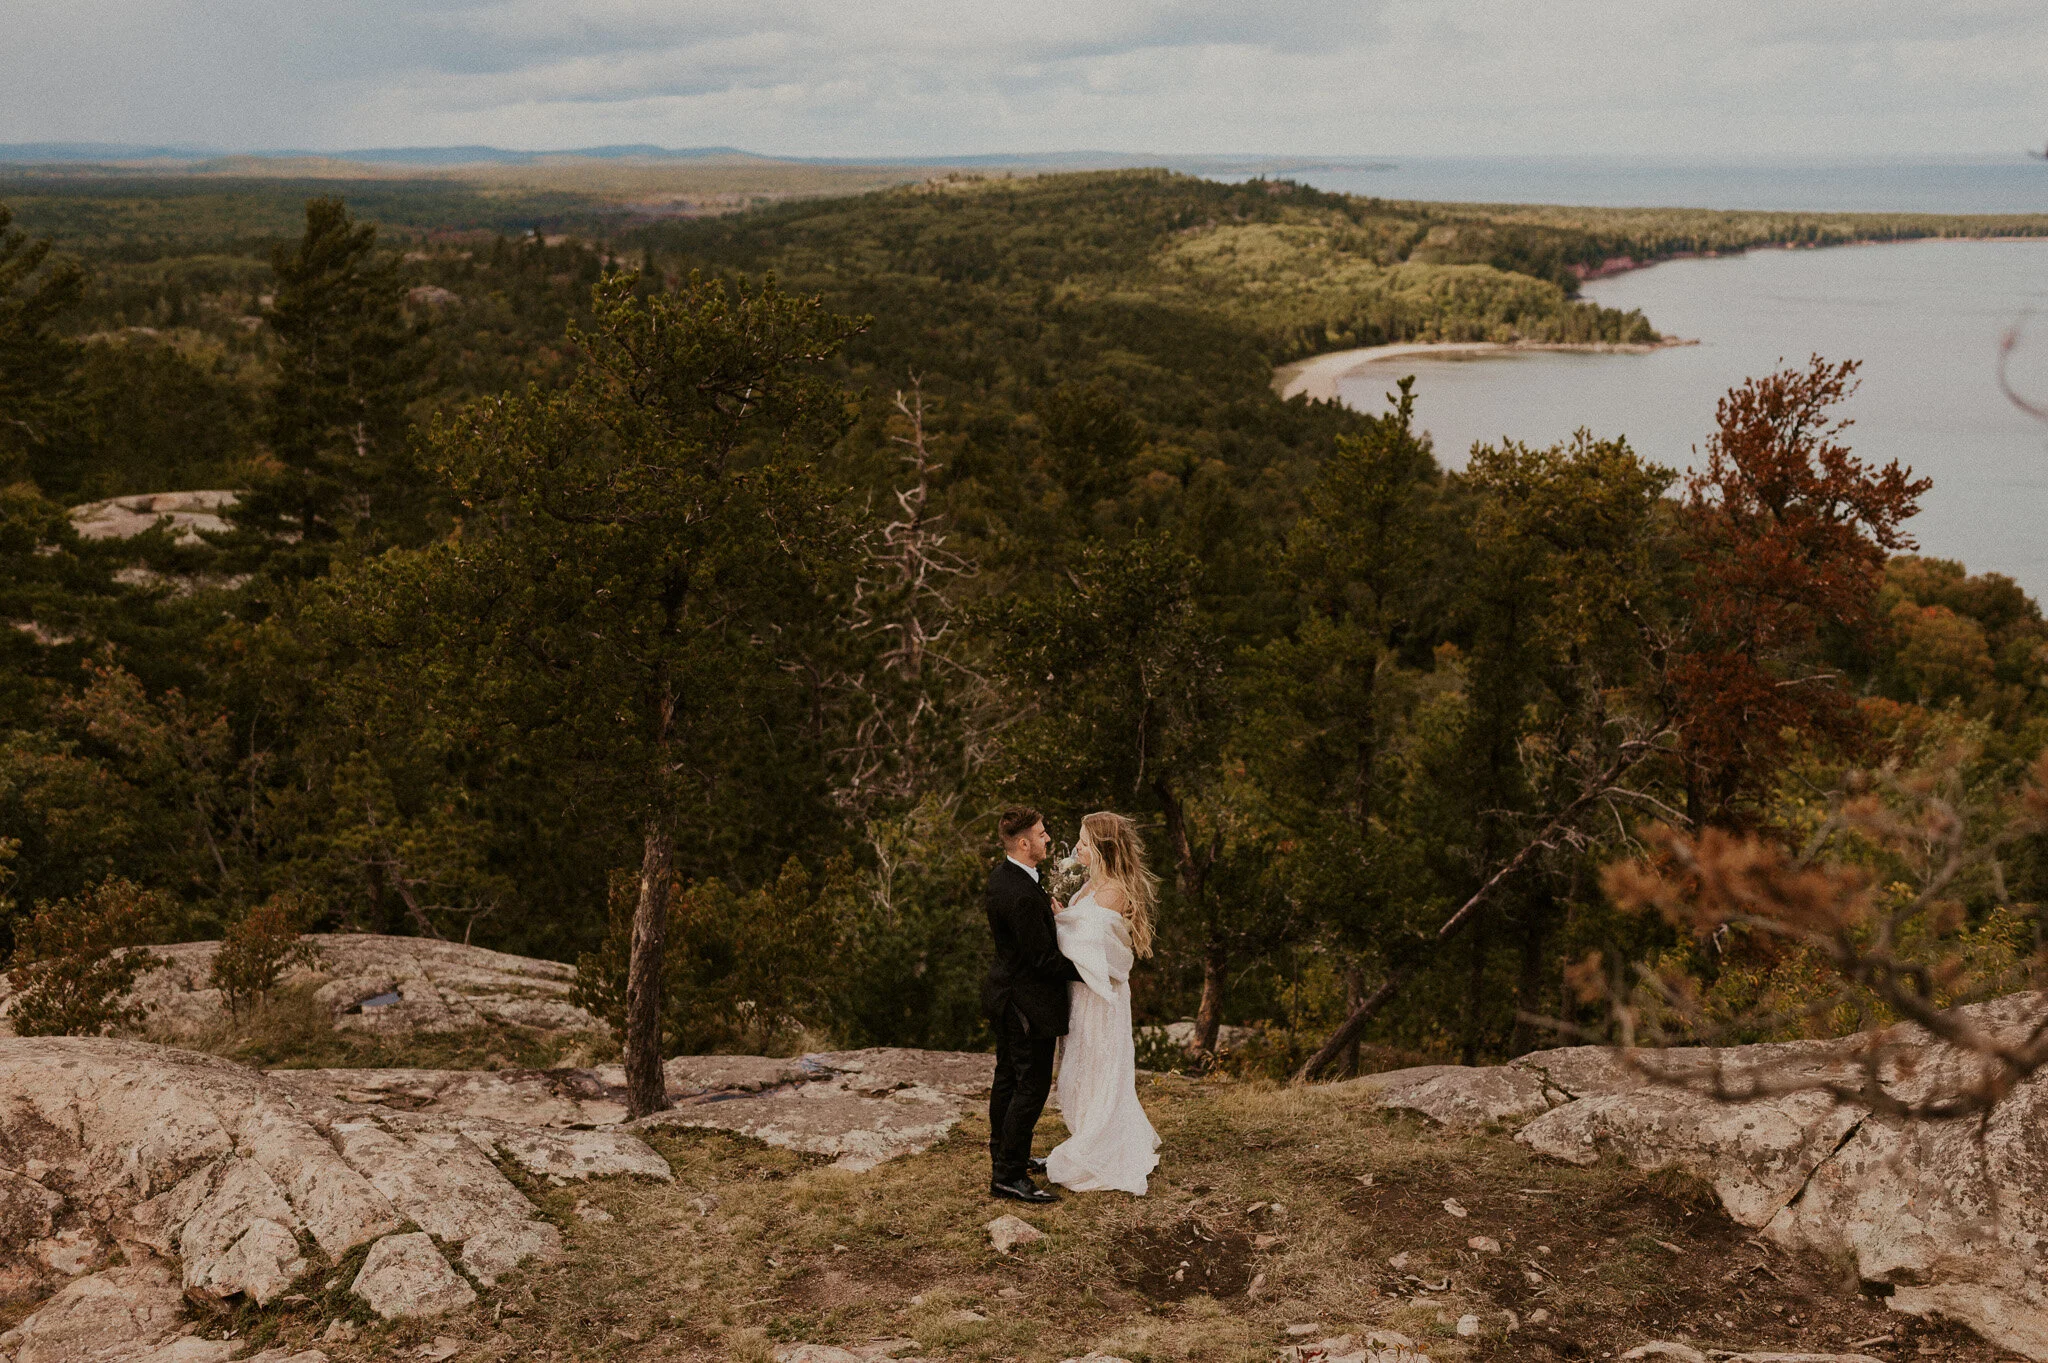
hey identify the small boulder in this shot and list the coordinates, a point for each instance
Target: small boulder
(405, 1275)
(118, 1312)
(1461, 1095)
(432, 296)
(1468, 1325)
(1485, 1244)
(815, 1353)
(1678, 1353)
(1007, 1233)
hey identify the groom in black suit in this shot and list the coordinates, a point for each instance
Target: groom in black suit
(1025, 997)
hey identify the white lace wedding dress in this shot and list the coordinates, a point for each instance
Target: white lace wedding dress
(1113, 1145)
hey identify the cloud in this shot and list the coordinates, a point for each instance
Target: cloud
(891, 77)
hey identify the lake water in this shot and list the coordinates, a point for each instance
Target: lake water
(1924, 317)
(2003, 184)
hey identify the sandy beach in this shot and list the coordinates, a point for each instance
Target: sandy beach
(1316, 377)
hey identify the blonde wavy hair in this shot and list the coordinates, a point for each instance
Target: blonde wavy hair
(1120, 861)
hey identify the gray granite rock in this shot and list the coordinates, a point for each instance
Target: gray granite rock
(188, 514)
(406, 1277)
(228, 1173)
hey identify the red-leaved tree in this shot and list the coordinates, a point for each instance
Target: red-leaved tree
(1789, 533)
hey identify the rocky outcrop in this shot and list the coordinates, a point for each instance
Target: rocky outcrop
(1459, 1095)
(857, 1108)
(432, 296)
(1182, 1035)
(247, 1184)
(391, 986)
(207, 1179)
(188, 513)
(1952, 1218)
(1757, 1155)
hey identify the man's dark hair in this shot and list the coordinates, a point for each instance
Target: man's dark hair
(1017, 819)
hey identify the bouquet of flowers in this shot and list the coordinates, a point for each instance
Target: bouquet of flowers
(1065, 877)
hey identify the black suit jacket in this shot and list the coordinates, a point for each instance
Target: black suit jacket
(1029, 973)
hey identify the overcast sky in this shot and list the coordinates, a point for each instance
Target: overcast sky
(1716, 78)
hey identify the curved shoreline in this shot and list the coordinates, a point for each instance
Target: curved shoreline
(1316, 377)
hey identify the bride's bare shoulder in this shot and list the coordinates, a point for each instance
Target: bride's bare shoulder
(1110, 897)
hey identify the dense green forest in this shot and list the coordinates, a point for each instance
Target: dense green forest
(774, 552)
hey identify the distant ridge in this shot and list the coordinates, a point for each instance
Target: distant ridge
(500, 156)
(74, 154)
(48, 152)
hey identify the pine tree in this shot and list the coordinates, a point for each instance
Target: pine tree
(627, 589)
(348, 365)
(37, 401)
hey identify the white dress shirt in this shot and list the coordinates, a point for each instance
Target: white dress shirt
(1031, 871)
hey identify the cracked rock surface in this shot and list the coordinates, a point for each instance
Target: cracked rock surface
(388, 985)
(217, 1181)
(858, 1108)
(1957, 1227)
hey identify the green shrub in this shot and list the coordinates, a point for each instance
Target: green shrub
(256, 950)
(74, 961)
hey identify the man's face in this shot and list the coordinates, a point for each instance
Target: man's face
(1031, 846)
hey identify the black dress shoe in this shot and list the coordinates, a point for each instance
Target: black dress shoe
(1020, 1190)
(1037, 1167)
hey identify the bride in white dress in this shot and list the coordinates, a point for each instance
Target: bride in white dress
(1106, 927)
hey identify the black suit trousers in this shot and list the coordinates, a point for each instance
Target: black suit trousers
(1017, 1097)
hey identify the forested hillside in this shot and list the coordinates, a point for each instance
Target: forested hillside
(769, 554)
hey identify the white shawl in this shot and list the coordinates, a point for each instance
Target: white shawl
(1098, 942)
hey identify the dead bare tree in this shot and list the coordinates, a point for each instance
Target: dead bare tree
(905, 594)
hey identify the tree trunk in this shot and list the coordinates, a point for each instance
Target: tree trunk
(645, 1090)
(1209, 1015)
(1475, 991)
(1192, 870)
(1541, 911)
(1354, 994)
